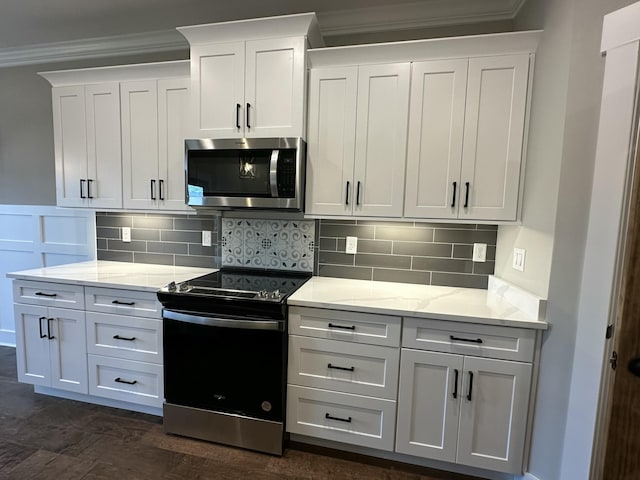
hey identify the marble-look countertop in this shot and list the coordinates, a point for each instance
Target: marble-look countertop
(101, 273)
(496, 306)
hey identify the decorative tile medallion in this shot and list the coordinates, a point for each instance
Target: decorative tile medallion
(273, 244)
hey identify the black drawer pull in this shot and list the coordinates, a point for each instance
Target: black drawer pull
(455, 384)
(345, 420)
(49, 336)
(343, 327)
(128, 339)
(470, 340)
(42, 294)
(348, 369)
(118, 302)
(42, 335)
(470, 385)
(453, 199)
(466, 195)
(119, 380)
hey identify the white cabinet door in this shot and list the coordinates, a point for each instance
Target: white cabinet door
(140, 144)
(68, 350)
(217, 91)
(493, 137)
(331, 140)
(434, 151)
(173, 97)
(381, 139)
(428, 404)
(104, 165)
(274, 87)
(493, 414)
(70, 141)
(32, 345)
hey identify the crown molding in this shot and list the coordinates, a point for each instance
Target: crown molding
(402, 16)
(100, 47)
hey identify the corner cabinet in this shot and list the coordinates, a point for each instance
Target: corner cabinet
(86, 130)
(248, 78)
(357, 140)
(430, 129)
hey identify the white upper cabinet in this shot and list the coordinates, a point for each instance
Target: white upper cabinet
(493, 136)
(357, 140)
(154, 114)
(248, 77)
(86, 129)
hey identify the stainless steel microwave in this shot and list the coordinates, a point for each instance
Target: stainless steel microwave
(261, 173)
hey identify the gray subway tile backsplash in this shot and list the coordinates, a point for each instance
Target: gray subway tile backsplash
(411, 252)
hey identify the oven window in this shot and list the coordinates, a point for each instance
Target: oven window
(225, 369)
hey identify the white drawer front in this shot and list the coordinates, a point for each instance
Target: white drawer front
(345, 326)
(49, 294)
(341, 417)
(469, 339)
(125, 337)
(123, 302)
(361, 369)
(108, 378)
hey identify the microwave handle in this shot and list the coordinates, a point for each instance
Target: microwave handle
(273, 173)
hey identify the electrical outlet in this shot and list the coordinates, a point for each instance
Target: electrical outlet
(518, 258)
(479, 252)
(126, 234)
(206, 238)
(352, 245)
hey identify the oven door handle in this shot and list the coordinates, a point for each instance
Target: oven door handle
(223, 322)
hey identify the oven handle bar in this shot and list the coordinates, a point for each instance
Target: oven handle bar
(224, 322)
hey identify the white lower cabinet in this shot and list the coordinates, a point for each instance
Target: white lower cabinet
(50, 347)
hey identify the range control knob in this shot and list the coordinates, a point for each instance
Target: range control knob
(183, 287)
(171, 287)
(275, 294)
(263, 294)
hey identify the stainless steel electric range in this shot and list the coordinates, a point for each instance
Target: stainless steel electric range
(225, 356)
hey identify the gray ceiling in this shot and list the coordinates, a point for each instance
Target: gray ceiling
(28, 22)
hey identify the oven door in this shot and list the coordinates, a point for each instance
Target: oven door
(227, 364)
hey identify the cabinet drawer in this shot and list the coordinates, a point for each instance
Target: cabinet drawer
(506, 343)
(49, 294)
(108, 378)
(124, 337)
(124, 302)
(341, 417)
(345, 326)
(361, 369)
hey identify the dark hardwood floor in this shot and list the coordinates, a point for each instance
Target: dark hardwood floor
(48, 438)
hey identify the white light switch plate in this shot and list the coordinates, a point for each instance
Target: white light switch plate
(206, 238)
(479, 252)
(352, 245)
(126, 234)
(518, 258)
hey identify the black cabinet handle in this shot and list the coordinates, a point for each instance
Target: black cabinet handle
(347, 194)
(470, 386)
(89, 188)
(153, 189)
(470, 340)
(343, 327)
(82, 180)
(119, 380)
(49, 336)
(42, 335)
(42, 294)
(358, 194)
(161, 189)
(346, 420)
(347, 369)
(118, 302)
(238, 107)
(466, 195)
(455, 384)
(453, 199)
(128, 339)
(248, 108)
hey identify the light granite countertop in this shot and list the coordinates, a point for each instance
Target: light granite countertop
(502, 304)
(101, 273)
